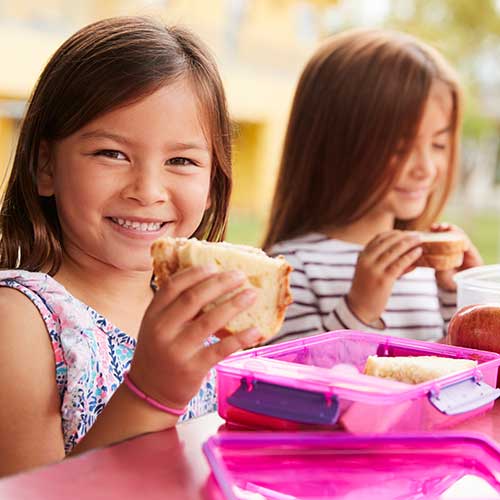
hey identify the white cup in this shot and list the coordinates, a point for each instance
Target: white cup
(478, 285)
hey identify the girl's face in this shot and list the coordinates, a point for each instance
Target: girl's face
(135, 174)
(428, 160)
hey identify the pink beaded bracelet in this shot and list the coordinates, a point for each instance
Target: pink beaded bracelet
(151, 401)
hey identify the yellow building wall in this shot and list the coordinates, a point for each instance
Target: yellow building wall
(259, 53)
(247, 143)
(8, 134)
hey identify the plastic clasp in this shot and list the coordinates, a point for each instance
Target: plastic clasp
(463, 396)
(288, 403)
(478, 375)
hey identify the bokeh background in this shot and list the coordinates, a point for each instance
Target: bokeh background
(261, 47)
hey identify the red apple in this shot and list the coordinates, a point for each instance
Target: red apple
(477, 327)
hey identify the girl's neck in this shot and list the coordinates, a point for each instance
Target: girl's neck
(120, 296)
(363, 230)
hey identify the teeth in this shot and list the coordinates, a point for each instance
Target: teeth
(137, 226)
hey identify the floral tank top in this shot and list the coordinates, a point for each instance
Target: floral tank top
(91, 355)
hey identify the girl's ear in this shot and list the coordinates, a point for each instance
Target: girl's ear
(44, 175)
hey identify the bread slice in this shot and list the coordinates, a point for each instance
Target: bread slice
(269, 276)
(441, 262)
(442, 250)
(415, 369)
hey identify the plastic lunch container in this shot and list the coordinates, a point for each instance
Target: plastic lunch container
(479, 285)
(308, 383)
(318, 465)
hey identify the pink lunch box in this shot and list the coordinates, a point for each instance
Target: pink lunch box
(308, 383)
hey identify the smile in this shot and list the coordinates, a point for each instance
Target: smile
(138, 226)
(413, 194)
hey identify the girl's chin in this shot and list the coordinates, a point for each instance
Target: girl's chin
(410, 214)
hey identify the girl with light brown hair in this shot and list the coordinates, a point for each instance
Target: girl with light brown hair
(370, 154)
(126, 139)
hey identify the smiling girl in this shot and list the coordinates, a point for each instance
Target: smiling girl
(126, 139)
(371, 152)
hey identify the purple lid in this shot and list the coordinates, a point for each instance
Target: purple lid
(319, 465)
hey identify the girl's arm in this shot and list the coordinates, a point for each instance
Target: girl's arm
(124, 416)
(171, 360)
(30, 421)
(384, 259)
(169, 365)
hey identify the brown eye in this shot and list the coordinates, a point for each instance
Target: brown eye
(111, 153)
(180, 161)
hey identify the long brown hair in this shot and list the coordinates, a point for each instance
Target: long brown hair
(105, 65)
(359, 98)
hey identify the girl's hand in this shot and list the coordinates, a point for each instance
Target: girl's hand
(384, 259)
(472, 258)
(171, 359)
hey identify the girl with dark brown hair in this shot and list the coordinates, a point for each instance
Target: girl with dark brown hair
(126, 139)
(371, 152)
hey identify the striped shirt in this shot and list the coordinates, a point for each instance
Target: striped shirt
(321, 279)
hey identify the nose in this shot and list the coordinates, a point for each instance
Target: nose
(423, 163)
(145, 186)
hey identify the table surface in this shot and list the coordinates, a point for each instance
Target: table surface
(167, 465)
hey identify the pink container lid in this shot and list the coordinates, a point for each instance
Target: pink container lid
(320, 465)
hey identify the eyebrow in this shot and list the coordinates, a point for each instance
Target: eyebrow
(102, 134)
(201, 146)
(176, 146)
(442, 131)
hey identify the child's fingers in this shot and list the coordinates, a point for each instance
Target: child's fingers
(399, 266)
(393, 249)
(440, 227)
(375, 243)
(178, 283)
(377, 247)
(191, 301)
(214, 320)
(211, 355)
(409, 269)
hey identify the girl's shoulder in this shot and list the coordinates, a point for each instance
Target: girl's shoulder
(58, 307)
(41, 289)
(14, 306)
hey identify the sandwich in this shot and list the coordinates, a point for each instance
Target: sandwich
(415, 369)
(269, 276)
(442, 250)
